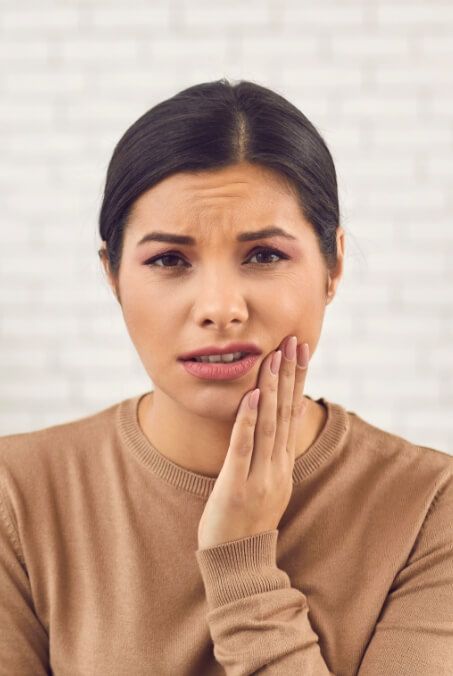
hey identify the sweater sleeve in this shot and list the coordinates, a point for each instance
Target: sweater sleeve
(414, 633)
(260, 624)
(23, 639)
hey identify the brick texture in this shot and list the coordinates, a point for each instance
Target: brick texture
(375, 78)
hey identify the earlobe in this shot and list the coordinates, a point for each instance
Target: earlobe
(333, 281)
(328, 290)
(102, 253)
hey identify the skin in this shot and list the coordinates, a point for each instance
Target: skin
(215, 292)
(255, 484)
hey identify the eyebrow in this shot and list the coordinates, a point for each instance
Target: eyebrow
(271, 231)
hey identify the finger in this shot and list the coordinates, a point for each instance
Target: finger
(299, 403)
(266, 424)
(240, 450)
(285, 400)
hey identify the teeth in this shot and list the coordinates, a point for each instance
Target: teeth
(225, 358)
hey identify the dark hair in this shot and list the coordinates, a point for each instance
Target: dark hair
(213, 125)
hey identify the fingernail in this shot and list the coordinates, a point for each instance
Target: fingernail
(275, 362)
(253, 399)
(290, 347)
(302, 355)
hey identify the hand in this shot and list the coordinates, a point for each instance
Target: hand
(254, 486)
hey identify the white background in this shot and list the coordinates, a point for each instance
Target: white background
(375, 78)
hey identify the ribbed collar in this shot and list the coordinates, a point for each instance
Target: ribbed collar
(329, 440)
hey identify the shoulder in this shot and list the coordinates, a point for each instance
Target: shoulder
(391, 467)
(388, 445)
(394, 476)
(26, 452)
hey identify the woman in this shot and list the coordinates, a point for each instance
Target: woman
(195, 529)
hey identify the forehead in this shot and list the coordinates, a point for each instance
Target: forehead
(239, 193)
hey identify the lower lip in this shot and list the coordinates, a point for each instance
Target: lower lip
(221, 371)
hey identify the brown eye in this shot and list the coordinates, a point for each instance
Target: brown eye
(261, 251)
(267, 251)
(165, 256)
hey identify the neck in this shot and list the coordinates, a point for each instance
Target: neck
(200, 445)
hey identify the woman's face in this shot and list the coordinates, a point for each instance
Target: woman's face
(219, 289)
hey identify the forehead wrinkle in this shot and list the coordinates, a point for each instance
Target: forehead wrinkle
(211, 223)
(217, 232)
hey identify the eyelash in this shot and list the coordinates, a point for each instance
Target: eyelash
(152, 261)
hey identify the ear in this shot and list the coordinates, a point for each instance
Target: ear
(102, 252)
(334, 276)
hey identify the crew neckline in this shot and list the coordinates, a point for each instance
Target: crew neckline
(330, 439)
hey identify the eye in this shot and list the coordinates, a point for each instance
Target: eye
(260, 251)
(268, 251)
(165, 256)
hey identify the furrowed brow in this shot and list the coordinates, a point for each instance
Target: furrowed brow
(172, 238)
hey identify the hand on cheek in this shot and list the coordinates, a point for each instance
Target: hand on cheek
(254, 486)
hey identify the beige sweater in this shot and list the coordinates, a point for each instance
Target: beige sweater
(100, 574)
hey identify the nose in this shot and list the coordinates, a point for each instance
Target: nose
(220, 300)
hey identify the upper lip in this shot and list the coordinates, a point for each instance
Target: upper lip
(216, 349)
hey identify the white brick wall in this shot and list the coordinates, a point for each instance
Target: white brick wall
(376, 78)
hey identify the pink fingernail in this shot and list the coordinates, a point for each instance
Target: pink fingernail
(302, 355)
(253, 399)
(275, 362)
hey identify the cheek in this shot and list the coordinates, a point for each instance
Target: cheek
(303, 313)
(142, 313)
(307, 318)
(304, 299)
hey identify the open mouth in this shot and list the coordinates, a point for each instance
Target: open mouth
(221, 370)
(220, 358)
